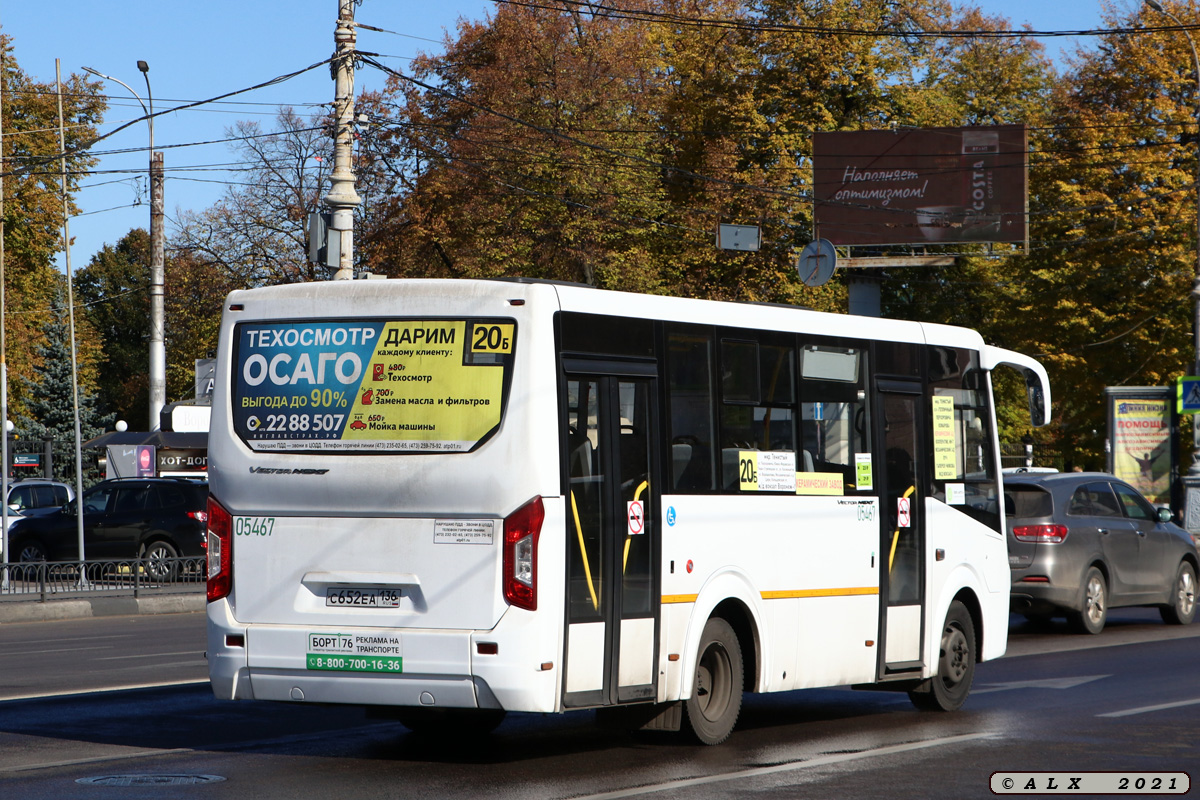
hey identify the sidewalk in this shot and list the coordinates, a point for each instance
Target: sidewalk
(18, 610)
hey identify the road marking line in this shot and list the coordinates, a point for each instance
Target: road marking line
(295, 738)
(65, 639)
(1129, 712)
(96, 759)
(152, 655)
(7, 698)
(819, 761)
(1048, 683)
(23, 653)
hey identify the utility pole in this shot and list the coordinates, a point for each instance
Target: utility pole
(158, 347)
(62, 147)
(342, 199)
(3, 351)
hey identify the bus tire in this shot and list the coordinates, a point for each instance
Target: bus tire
(948, 689)
(712, 711)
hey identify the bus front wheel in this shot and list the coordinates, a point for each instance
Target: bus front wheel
(712, 710)
(948, 690)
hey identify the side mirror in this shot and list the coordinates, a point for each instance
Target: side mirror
(1037, 398)
(1165, 515)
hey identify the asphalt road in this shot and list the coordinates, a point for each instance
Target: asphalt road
(1126, 700)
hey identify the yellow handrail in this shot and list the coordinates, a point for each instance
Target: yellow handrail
(587, 569)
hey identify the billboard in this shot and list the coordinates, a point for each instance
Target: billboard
(921, 186)
(1141, 433)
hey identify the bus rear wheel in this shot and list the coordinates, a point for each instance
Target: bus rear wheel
(712, 710)
(948, 690)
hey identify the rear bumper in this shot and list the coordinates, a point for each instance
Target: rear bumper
(1043, 598)
(433, 668)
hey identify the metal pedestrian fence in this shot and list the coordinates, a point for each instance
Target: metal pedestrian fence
(60, 580)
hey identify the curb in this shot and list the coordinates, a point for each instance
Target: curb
(15, 611)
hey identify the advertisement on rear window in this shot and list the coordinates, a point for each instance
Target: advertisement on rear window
(372, 386)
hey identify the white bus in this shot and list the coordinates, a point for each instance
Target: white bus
(449, 499)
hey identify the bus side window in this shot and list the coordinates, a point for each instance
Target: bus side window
(758, 392)
(690, 402)
(959, 409)
(833, 410)
(585, 498)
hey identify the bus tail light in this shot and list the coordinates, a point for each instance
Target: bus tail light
(1047, 534)
(220, 551)
(521, 531)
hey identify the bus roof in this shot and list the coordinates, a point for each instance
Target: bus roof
(310, 300)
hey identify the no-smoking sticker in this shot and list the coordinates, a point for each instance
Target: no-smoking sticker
(635, 515)
(903, 513)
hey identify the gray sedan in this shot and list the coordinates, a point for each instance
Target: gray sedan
(1080, 543)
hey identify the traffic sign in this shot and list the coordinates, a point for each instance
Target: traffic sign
(1187, 394)
(816, 262)
(738, 237)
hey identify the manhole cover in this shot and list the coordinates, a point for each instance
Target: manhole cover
(150, 780)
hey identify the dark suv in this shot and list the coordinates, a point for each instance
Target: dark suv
(154, 518)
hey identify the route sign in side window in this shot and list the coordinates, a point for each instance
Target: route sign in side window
(371, 385)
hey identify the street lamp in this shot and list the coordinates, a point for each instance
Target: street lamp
(158, 351)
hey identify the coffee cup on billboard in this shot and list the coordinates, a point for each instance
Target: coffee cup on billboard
(940, 223)
(956, 224)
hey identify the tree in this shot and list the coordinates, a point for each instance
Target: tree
(605, 145)
(114, 290)
(257, 233)
(34, 203)
(195, 297)
(51, 409)
(528, 150)
(1105, 293)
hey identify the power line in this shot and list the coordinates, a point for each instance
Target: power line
(82, 148)
(603, 11)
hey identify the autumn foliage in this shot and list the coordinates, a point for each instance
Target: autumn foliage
(604, 143)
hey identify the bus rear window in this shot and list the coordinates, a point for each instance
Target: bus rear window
(371, 385)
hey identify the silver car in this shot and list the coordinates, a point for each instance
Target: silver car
(1080, 543)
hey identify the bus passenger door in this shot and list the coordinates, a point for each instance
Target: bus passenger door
(612, 540)
(902, 539)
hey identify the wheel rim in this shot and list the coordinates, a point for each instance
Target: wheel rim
(156, 561)
(713, 679)
(1095, 600)
(955, 655)
(32, 553)
(1186, 593)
